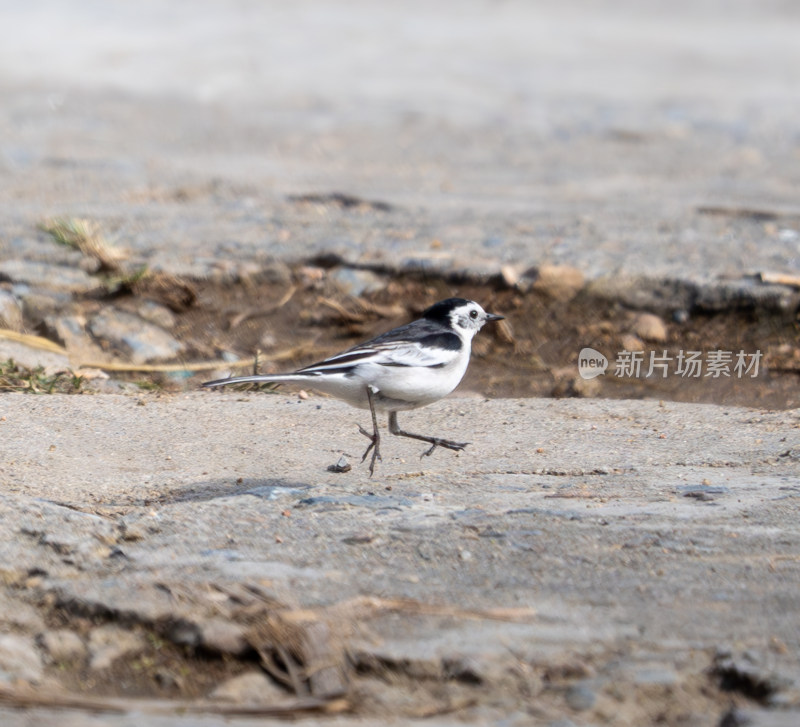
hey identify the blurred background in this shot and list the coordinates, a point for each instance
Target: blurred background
(191, 187)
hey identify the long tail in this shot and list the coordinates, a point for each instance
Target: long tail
(257, 378)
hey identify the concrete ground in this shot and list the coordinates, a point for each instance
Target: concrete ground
(603, 561)
(582, 562)
(622, 138)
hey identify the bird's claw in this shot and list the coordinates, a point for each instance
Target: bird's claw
(376, 455)
(455, 446)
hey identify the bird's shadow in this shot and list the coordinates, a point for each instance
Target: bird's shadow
(276, 488)
(270, 488)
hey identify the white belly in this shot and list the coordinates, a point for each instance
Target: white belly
(399, 388)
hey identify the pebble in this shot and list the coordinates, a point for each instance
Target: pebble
(585, 388)
(66, 330)
(63, 646)
(560, 282)
(252, 687)
(10, 311)
(630, 342)
(357, 282)
(510, 275)
(109, 643)
(465, 669)
(580, 697)
(70, 332)
(156, 314)
(650, 327)
(19, 659)
(341, 466)
(223, 636)
(276, 272)
(142, 341)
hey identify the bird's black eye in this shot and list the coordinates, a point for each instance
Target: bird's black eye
(473, 314)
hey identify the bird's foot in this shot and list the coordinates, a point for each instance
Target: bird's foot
(374, 447)
(446, 443)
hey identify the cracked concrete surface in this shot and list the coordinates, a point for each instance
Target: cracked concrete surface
(638, 538)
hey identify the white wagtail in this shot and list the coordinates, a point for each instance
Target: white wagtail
(405, 368)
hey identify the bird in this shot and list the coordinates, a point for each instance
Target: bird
(405, 368)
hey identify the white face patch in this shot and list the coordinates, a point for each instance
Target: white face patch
(468, 318)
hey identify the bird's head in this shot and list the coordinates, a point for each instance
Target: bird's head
(464, 316)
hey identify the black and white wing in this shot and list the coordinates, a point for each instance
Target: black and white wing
(417, 344)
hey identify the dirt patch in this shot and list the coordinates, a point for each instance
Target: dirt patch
(534, 353)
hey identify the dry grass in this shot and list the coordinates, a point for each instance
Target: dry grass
(85, 235)
(16, 378)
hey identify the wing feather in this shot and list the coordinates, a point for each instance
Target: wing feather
(388, 353)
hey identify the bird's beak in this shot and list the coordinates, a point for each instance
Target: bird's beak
(494, 317)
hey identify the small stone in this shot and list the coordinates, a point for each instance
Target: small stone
(10, 311)
(510, 275)
(168, 680)
(70, 331)
(252, 687)
(224, 637)
(156, 314)
(19, 659)
(341, 466)
(586, 388)
(560, 282)
(62, 646)
(463, 668)
(276, 272)
(357, 282)
(580, 697)
(650, 327)
(65, 329)
(630, 342)
(109, 643)
(142, 341)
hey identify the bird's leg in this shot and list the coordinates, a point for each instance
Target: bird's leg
(375, 437)
(435, 442)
